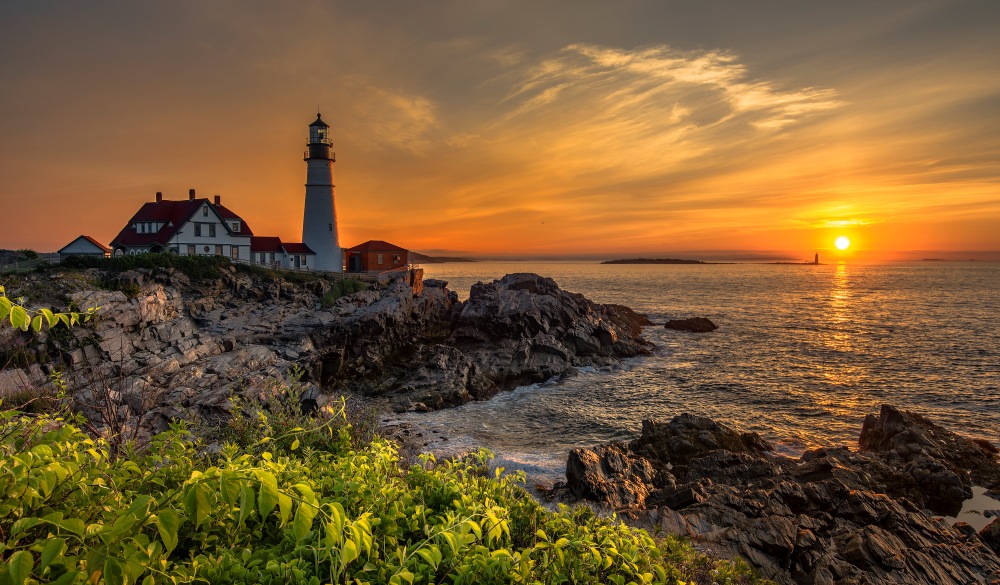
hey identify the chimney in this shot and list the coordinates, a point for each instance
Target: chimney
(190, 194)
(159, 196)
(218, 199)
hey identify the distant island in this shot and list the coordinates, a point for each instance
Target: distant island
(654, 261)
(418, 258)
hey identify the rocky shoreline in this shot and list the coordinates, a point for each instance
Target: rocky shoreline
(178, 348)
(834, 515)
(175, 347)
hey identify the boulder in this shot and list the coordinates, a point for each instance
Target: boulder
(610, 474)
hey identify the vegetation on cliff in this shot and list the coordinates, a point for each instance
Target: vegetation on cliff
(284, 497)
(312, 506)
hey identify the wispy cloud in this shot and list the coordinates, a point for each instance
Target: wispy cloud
(395, 119)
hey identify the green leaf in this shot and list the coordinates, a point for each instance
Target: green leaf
(284, 507)
(50, 317)
(113, 574)
(348, 553)
(74, 525)
(18, 318)
(246, 502)
(66, 578)
(303, 521)
(24, 524)
(168, 522)
(36, 323)
(4, 307)
(204, 507)
(230, 487)
(268, 497)
(295, 444)
(53, 548)
(19, 567)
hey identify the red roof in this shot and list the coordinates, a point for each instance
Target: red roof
(265, 244)
(173, 214)
(296, 248)
(106, 249)
(376, 246)
(274, 244)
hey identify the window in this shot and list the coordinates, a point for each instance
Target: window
(211, 230)
(378, 259)
(204, 211)
(236, 226)
(207, 249)
(395, 258)
(234, 252)
(191, 250)
(197, 230)
(218, 249)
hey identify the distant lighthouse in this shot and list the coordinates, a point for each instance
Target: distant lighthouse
(319, 221)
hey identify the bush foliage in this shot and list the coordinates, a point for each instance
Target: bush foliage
(342, 288)
(71, 513)
(195, 267)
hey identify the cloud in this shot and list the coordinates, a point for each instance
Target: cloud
(395, 119)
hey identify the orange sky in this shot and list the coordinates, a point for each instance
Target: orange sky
(532, 129)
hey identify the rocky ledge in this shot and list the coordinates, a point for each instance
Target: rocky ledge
(831, 516)
(172, 347)
(517, 330)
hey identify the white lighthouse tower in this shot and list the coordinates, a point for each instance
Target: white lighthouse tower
(319, 222)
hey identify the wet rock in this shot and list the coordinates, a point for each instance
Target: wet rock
(691, 324)
(833, 516)
(991, 536)
(611, 474)
(942, 463)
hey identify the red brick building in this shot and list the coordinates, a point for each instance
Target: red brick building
(375, 256)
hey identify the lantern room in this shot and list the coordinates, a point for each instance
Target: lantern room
(319, 131)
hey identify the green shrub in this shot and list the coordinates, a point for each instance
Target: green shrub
(195, 267)
(272, 418)
(342, 288)
(70, 513)
(28, 254)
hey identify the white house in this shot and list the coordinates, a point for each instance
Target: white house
(270, 251)
(199, 227)
(84, 246)
(192, 227)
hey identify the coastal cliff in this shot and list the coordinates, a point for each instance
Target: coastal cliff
(175, 346)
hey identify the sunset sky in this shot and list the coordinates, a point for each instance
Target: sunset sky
(535, 129)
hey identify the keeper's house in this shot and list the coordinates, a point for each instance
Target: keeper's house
(200, 227)
(192, 227)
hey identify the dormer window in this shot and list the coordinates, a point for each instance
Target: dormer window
(236, 226)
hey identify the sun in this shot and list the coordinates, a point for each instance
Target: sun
(842, 243)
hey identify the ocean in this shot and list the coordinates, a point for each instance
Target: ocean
(801, 355)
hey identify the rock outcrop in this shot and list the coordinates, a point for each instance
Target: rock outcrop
(692, 324)
(830, 516)
(517, 330)
(171, 347)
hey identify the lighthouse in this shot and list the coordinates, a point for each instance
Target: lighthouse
(319, 221)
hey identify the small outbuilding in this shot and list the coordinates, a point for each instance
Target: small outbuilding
(375, 256)
(84, 246)
(270, 251)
